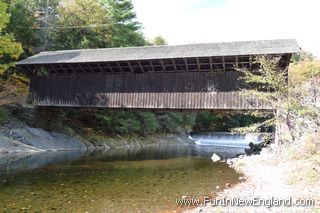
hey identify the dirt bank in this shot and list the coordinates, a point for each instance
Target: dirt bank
(273, 174)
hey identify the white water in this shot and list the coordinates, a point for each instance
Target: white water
(226, 139)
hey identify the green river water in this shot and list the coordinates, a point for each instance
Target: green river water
(148, 179)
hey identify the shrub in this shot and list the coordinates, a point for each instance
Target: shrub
(3, 116)
(149, 121)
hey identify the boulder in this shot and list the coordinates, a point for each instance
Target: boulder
(215, 157)
(254, 149)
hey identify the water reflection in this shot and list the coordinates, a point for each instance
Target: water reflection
(145, 179)
(16, 163)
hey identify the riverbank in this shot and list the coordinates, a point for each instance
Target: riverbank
(292, 172)
(24, 133)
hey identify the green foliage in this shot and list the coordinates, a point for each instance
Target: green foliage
(306, 70)
(9, 49)
(84, 24)
(149, 122)
(206, 121)
(125, 30)
(96, 24)
(126, 123)
(215, 122)
(3, 116)
(142, 123)
(268, 79)
(293, 101)
(159, 40)
(21, 25)
(4, 16)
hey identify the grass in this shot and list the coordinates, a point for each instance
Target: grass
(307, 161)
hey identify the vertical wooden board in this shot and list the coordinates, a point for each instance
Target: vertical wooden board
(172, 100)
(181, 101)
(142, 102)
(132, 100)
(138, 100)
(162, 100)
(188, 97)
(114, 99)
(223, 101)
(129, 99)
(133, 105)
(181, 106)
(198, 100)
(153, 100)
(148, 101)
(184, 100)
(118, 100)
(194, 101)
(124, 100)
(202, 100)
(233, 101)
(176, 101)
(209, 100)
(168, 99)
(157, 100)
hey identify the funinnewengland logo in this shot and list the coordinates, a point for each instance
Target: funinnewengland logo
(237, 201)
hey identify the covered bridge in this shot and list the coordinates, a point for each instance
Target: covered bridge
(195, 76)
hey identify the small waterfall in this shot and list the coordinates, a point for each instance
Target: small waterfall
(226, 139)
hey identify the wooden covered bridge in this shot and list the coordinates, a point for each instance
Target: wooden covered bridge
(196, 76)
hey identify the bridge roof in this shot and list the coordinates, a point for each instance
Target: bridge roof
(262, 47)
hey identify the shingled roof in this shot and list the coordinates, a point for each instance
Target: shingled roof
(262, 47)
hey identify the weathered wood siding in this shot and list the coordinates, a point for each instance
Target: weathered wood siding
(194, 90)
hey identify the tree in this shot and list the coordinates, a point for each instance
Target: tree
(9, 49)
(21, 25)
(82, 24)
(159, 40)
(289, 99)
(125, 28)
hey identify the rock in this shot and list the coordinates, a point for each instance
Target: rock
(254, 149)
(217, 187)
(215, 157)
(184, 196)
(241, 178)
(230, 162)
(228, 185)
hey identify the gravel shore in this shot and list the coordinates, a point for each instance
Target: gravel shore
(268, 176)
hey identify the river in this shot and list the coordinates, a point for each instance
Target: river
(141, 179)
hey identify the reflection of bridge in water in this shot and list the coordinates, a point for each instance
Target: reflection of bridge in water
(196, 76)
